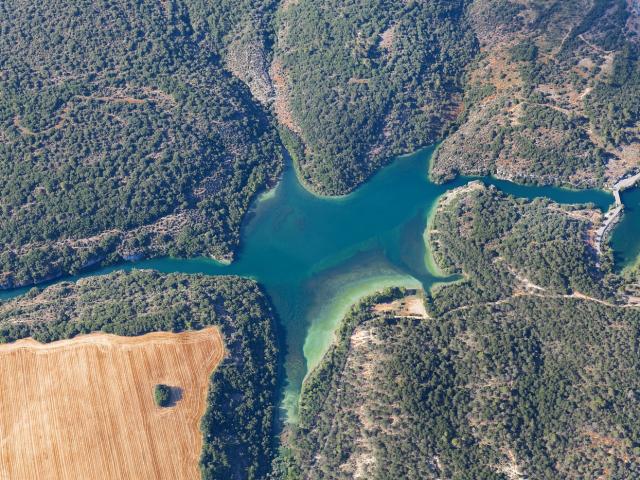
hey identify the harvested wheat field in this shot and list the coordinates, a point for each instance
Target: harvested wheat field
(84, 408)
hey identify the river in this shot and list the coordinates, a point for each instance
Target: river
(317, 256)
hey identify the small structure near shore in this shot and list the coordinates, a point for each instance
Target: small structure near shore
(613, 215)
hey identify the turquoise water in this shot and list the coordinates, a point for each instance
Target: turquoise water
(599, 198)
(625, 240)
(316, 256)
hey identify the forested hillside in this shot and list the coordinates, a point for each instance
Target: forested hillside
(241, 32)
(528, 388)
(549, 98)
(121, 135)
(533, 91)
(360, 81)
(526, 368)
(501, 246)
(131, 129)
(238, 423)
(139, 128)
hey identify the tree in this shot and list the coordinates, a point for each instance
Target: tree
(162, 395)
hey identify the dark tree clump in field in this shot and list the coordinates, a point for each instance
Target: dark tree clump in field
(238, 423)
(162, 395)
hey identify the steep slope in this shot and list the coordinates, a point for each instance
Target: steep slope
(359, 82)
(549, 98)
(121, 136)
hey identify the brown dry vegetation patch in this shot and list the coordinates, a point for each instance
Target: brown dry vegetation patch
(84, 408)
(613, 446)
(113, 99)
(463, 152)
(281, 103)
(628, 159)
(408, 307)
(633, 22)
(504, 73)
(387, 37)
(286, 4)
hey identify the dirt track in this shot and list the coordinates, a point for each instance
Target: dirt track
(84, 409)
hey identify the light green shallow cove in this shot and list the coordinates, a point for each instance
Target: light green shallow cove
(317, 256)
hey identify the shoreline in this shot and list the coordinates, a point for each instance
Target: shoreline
(429, 260)
(326, 318)
(290, 156)
(613, 216)
(334, 295)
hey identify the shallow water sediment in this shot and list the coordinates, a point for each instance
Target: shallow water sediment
(317, 256)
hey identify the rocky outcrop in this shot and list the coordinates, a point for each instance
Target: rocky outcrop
(248, 60)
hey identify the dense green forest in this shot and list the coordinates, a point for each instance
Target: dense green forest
(132, 128)
(541, 388)
(239, 421)
(500, 244)
(121, 135)
(368, 79)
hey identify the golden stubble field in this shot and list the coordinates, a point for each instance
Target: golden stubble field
(84, 408)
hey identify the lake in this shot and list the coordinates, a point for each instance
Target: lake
(625, 238)
(316, 256)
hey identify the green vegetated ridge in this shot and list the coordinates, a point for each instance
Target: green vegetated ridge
(532, 385)
(495, 241)
(238, 424)
(364, 80)
(531, 376)
(122, 135)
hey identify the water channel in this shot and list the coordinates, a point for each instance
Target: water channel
(317, 256)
